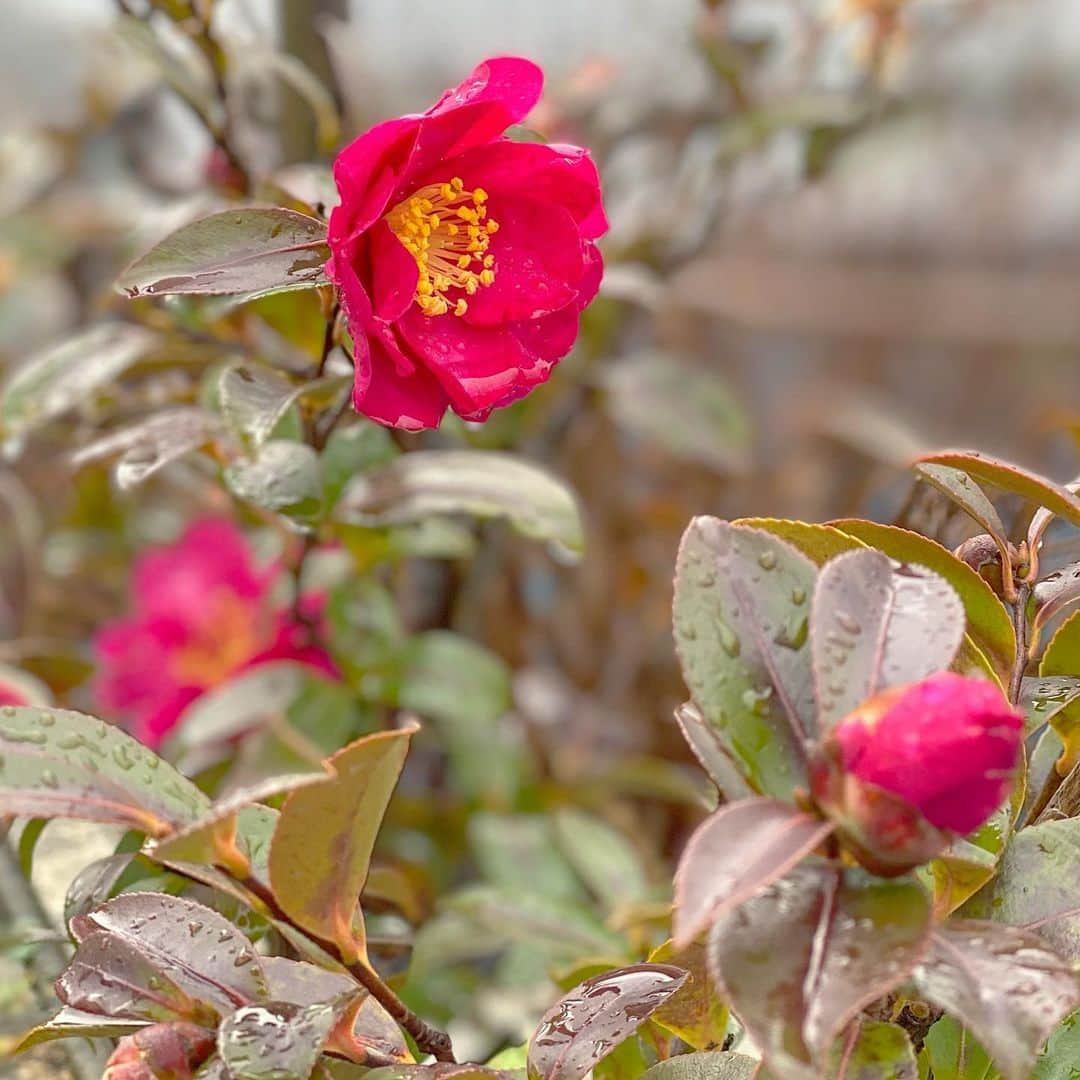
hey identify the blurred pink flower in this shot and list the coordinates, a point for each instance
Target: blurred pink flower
(462, 259)
(9, 695)
(202, 612)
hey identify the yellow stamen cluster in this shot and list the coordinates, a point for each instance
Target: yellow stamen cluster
(447, 230)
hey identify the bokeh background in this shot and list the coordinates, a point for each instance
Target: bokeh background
(842, 233)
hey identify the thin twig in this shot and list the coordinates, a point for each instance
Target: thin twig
(328, 340)
(1020, 626)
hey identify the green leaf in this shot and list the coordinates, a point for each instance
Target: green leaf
(321, 851)
(742, 600)
(711, 1066)
(696, 1014)
(483, 484)
(203, 954)
(874, 627)
(94, 884)
(603, 857)
(954, 1054)
(278, 1040)
(1004, 983)
(956, 484)
(712, 752)
(247, 250)
(988, 623)
(75, 1023)
(881, 1052)
(967, 864)
(55, 763)
(150, 445)
(1062, 659)
(819, 543)
(281, 476)
(65, 376)
(682, 407)
(1002, 474)
(588, 1023)
(354, 448)
(736, 853)
(1059, 1060)
(802, 958)
(520, 853)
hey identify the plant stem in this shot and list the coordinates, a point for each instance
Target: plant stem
(328, 340)
(1020, 626)
(429, 1040)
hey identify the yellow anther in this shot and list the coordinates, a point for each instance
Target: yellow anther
(492, 226)
(487, 277)
(479, 195)
(457, 184)
(461, 307)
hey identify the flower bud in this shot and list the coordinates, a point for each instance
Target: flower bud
(916, 765)
(160, 1052)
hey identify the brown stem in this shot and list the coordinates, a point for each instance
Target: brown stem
(328, 340)
(429, 1040)
(1020, 626)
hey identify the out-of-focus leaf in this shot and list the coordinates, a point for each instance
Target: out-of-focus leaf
(112, 976)
(321, 851)
(711, 751)
(465, 689)
(685, 408)
(957, 484)
(22, 530)
(151, 444)
(741, 613)
(953, 1053)
(71, 1023)
(1036, 882)
(715, 1065)
(48, 384)
(247, 250)
(696, 1014)
(94, 884)
(280, 476)
(32, 691)
(966, 865)
(351, 449)
(1061, 659)
(881, 1052)
(1003, 474)
(203, 953)
(482, 484)
(520, 852)
(799, 960)
(444, 1072)
(1058, 1060)
(1003, 983)
(605, 859)
(55, 763)
(873, 627)
(276, 1040)
(988, 623)
(248, 701)
(589, 1022)
(734, 854)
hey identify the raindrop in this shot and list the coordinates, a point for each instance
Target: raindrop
(767, 560)
(729, 640)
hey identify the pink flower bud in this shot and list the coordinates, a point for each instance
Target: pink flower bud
(915, 765)
(160, 1052)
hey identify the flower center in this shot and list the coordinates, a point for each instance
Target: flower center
(447, 231)
(224, 642)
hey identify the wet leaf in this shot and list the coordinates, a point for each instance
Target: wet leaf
(281, 476)
(1003, 474)
(255, 398)
(742, 600)
(65, 376)
(150, 445)
(321, 851)
(482, 484)
(1061, 659)
(988, 623)
(957, 484)
(69, 1023)
(710, 1066)
(848, 938)
(247, 250)
(696, 1013)
(1002, 982)
(819, 543)
(1055, 593)
(881, 1052)
(712, 753)
(682, 407)
(589, 1022)
(199, 950)
(734, 854)
(55, 763)
(113, 977)
(277, 1040)
(94, 884)
(874, 626)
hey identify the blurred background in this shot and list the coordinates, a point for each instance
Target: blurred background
(842, 232)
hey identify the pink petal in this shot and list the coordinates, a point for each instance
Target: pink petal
(353, 296)
(511, 82)
(388, 392)
(394, 273)
(538, 263)
(476, 366)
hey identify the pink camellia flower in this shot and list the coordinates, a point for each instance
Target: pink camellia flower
(10, 695)
(203, 612)
(916, 765)
(462, 259)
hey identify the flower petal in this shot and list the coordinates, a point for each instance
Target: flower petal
(511, 82)
(393, 274)
(400, 395)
